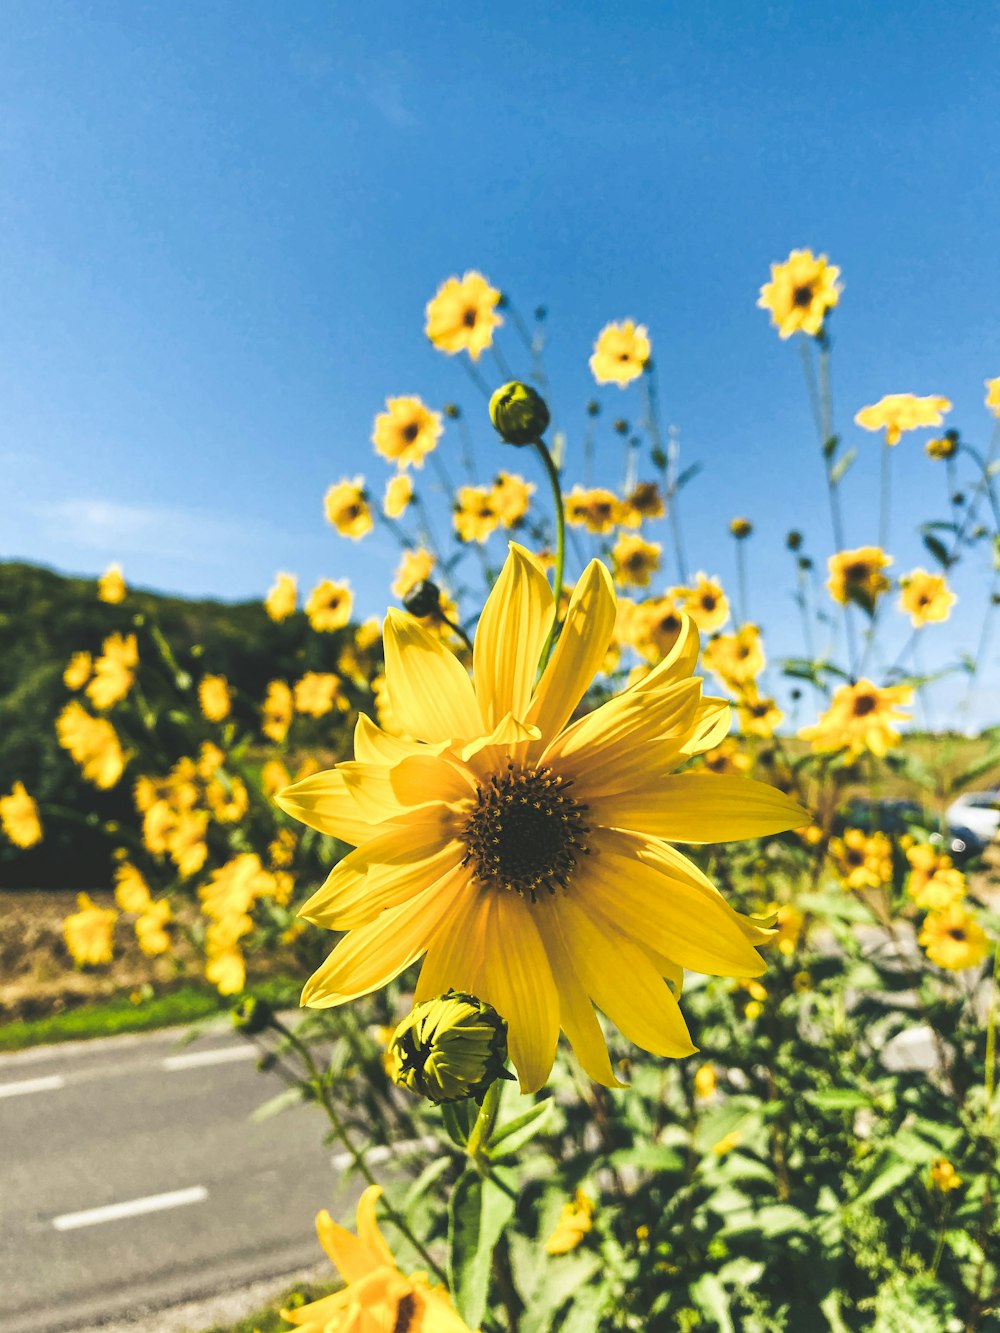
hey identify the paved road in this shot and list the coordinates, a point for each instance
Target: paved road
(131, 1177)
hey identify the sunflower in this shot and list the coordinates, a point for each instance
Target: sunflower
(898, 412)
(863, 861)
(476, 515)
(925, 597)
(462, 315)
(856, 576)
(800, 292)
(528, 861)
(860, 718)
(346, 507)
(634, 560)
(642, 502)
(953, 938)
(705, 602)
(406, 431)
(736, 658)
(620, 353)
(19, 817)
(329, 606)
(598, 510)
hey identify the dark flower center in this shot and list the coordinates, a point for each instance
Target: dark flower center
(864, 704)
(525, 834)
(856, 573)
(708, 602)
(957, 933)
(405, 1311)
(410, 432)
(854, 857)
(470, 317)
(802, 296)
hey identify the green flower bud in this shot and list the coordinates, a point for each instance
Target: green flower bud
(741, 528)
(794, 540)
(423, 599)
(449, 1048)
(621, 426)
(452, 411)
(518, 413)
(251, 1015)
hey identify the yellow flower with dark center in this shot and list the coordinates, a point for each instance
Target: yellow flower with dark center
(620, 353)
(705, 602)
(727, 758)
(574, 1223)
(398, 494)
(93, 744)
(277, 711)
(228, 800)
(943, 1176)
(213, 698)
(635, 561)
(860, 718)
(642, 502)
(511, 496)
(756, 714)
(528, 859)
(944, 447)
(658, 626)
(899, 412)
(406, 432)
(597, 509)
(346, 507)
(476, 516)
(19, 817)
(317, 692)
(737, 659)
(210, 760)
(280, 600)
(131, 890)
(329, 606)
(800, 293)
(114, 671)
(925, 597)
(856, 576)
(462, 315)
(954, 939)
(993, 395)
(89, 932)
(78, 671)
(377, 1297)
(111, 585)
(933, 883)
(863, 860)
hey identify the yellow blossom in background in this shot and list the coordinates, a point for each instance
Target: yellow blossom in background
(475, 516)
(186, 841)
(511, 497)
(19, 817)
(316, 693)
(757, 715)
(860, 718)
(856, 576)
(642, 502)
(277, 711)
(659, 623)
(111, 585)
(705, 602)
(329, 606)
(620, 353)
(281, 850)
(728, 758)
(945, 447)
(788, 922)
(863, 860)
(933, 883)
(368, 634)
(925, 597)
(213, 698)
(210, 760)
(993, 395)
(943, 1176)
(800, 293)
(78, 671)
(114, 671)
(953, 938)
(734, 1138)
(462, 315)
(377, 1297)
(228, 801)
(150, 928)
(398, 494)
(93, 744)
(546, 931)
(406, 432)
(227, 971)
(414, 566)
(735, 658)
(634, 561)
(273, 776)
(597, 509)
(131, 890)
(705, 1082)
(899, 412)
(281, 599)
(89, 932)
(574, 1223)
(346, 507)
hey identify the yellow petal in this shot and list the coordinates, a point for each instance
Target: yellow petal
(369, 1232)
(711, 726)
(678, 664)
(576, 1013)
(429, 690)
(373, 955)
(348, 1252)
(520, 988)
(324, 802)
(456, 956)
(579, 652)
(385, 873)
(700, 807)
(426, 777)
(372, 745)
(510, 637)
(622, 981)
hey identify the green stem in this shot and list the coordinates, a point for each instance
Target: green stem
(485, 1120)
(553, 476)
(885, 490)
(741, 577)
(991, 1037)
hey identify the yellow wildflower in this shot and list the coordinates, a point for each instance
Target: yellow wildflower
(316, 693)
(186, 841)
(227, 972)
(406, 432)
(210, 760)
(229, 800)
(281, 849)
(280, 600)
(943, 1176)
(277, 712)
(346, 507)
(953, 938)
(757, 715)
(273, 776)
(461, 316)
(705, 1082)
(705, 602)
(89, 932)
(800, 293)
(574, 1223)
(863, 860)
(788, 922)
(899, 412)
(944, 447)
(78, 671)
(728, 758)
(398, 494)
(933, 883)
(598, 510)
(475, 516)
(19, 817)
(925, 597)
(414, 567)
(329, 606)
(131, 890)
(736, 658)
(114, 671)
(150, 928)
(642, 502)
(111, 585)
(634, 561)
(213, 698)
(856, 576)
(860, 718)
(93, 744)
(511, 496)
(740, 528)
(993, 395)
(620, 353)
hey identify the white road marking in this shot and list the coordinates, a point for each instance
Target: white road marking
(341, 1160)
(48, 1084)
(152, 1203)
(224, 1056)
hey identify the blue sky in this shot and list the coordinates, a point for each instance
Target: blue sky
(221, 223)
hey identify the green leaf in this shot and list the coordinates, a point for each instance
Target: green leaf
(838, 1099)
(511, 1137)
(884, 1183)
(458, 1121)
(648, 1157)
(477, 1214)
(841, 906)
(429, 1176)
(937, 550)
(710, 1295)
(564, 1276)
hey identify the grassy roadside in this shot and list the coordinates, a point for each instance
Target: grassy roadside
(109, 1018)
(268, 1320)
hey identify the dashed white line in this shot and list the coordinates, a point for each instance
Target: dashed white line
(224, 1056)
(112, 1212)
(47, 1084)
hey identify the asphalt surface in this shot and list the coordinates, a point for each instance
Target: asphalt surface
(131, 1177)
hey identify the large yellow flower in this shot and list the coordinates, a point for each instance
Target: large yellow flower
(377, 1297)
(406, 432)
(620, 353)
(19, 817)
(925, 597)
(461, 316)
(898, 412)
(529, 858)
(346, 507)
(860, 718)
(856, 576)
(800, 292)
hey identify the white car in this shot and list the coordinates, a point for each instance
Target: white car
(979, 812)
